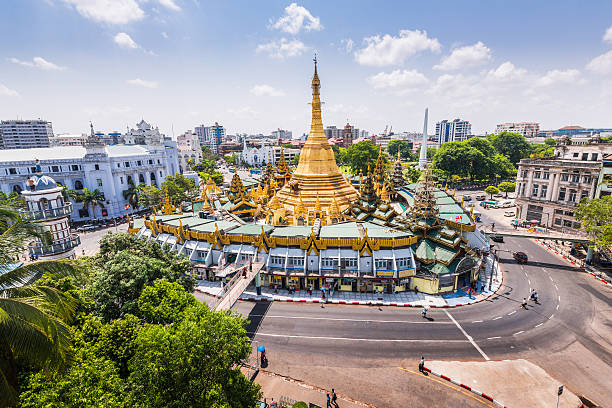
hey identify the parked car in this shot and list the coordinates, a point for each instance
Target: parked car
(520, 257)
(467, 198)
(498, 195)
(496, 238)
(481, 197)
(509, 213)
(506, 204)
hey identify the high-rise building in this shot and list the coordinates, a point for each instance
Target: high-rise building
(527, 129)
(211, 136)
(25, 134)
(282, 134)
(456, 131)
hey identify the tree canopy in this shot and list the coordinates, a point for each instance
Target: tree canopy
(511, 145)
(491, 190)
(595, 217)
(404, 147)
(361, 155)
(180, 188)
(507, 187)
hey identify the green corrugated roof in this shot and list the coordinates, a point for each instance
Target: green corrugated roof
(465, 219)
(450, 209)
(139, 223)
(210, 227)
(441, 200)
(444, 254)
(170, 217)
(187, 221)
(293, 231)
(440, 269)
(342, 230)
(251, 229)
(426, 251)
(381, 231)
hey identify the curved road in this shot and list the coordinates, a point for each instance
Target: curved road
(568, 334)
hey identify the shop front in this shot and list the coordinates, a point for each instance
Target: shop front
(348, 284)
(314, 282)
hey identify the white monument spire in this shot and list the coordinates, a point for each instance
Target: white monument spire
(423, 156)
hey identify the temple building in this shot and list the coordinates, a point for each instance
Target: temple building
(317, 178)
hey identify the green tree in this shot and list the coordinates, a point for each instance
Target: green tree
(296, 159)
(482, 145)
(91, 199)
(33, 317)
(132, 194)
(231, 159)
(502, 167)
(164, 302)
(412, 174)
(193, 363)
(507, 187)
(404, 147)
(595, 217)
(150, 196)
(550, 141)
(361, 155)
(206, 165)
(216, 177)
(513, 145)
(491, 190)
(460, 159)
(180, 188)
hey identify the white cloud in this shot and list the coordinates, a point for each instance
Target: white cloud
(108, 11)
(266, 90)
(38, 62)
(608, 35)
(245, 112)
(347, 44)
(400, 80)
(142, 82)
(507, 72)
(295, 18)
(123, 40)
(283, 48)
(6, 91)
(164, 34)
(601, 64)
(556, 76)
(389, 50)
(465, 57)
(170, 4)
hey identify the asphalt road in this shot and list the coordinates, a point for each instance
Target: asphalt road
(571, 313)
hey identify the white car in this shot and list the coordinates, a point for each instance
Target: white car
(509, 213)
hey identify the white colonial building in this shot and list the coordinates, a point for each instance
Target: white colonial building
(188, 149)
(109, 169)
(266, 153)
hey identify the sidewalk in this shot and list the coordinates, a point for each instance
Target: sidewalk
(402, 299)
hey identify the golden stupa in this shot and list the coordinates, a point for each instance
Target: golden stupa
(317, 179)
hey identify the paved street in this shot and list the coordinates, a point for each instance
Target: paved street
(568, 334)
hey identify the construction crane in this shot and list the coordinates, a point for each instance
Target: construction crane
(385, 131)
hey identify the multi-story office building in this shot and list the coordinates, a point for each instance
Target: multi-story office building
(110, 169)
(65, 139)
(338, 133)
(25, 134)
(453, 131)
(281, 134)
(549, 189)
(266, 153)
(211, 136)
(189, 150)
(572, 131)
(527, 129)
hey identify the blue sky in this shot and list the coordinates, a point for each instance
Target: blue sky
(248, 64)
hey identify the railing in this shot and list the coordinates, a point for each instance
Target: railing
(39, 249)
(48, 213)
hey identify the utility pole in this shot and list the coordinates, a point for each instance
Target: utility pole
(492, 268)
(559, 392)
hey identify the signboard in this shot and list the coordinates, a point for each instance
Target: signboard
(384, 273)
(405, 273)
(560, 391)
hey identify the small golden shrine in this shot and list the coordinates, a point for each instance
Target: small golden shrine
(167, 206)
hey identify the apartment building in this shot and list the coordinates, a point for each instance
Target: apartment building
(549, 189)
(527, 129)
(25, 134)
(453, 131)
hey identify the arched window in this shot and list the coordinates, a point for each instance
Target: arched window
(17, 188)
(78, 185)
(129, 180)
(141, 179)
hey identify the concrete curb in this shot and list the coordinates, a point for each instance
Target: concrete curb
(605, 282)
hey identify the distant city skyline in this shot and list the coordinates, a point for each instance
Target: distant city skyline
(182, 63)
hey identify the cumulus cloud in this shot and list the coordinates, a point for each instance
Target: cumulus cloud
(283, 48)
(507, 72)
(6, 91)
(601, 64)
(465, 57)
(608, 35)
(142, 82)
(389, 50)
(347, 44)
(295, 19)
(170, 4)
(38, 62)
(399, 80)
(244, 112)
(556, 76)
(266, 90)
(108, 11)
(164, 34)
(123, 40)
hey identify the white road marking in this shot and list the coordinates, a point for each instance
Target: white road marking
(559, 298)
(550, 278)
(292, 336)
(529, 281)
(557, 307)
(538, 325)
(551, 316)
(556, 287)
(511, 313)
(491, 338)
(467, 336)
(519, 332)
(498, 317)
(477, 321)
(353, 320)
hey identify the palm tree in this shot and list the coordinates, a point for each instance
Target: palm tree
(91, 198)
(32, 317)
(132, 194)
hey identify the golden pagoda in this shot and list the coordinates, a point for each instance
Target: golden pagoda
(317, 177)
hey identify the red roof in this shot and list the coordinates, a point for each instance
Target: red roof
(571, 127)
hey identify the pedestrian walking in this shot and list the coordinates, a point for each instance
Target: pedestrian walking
(524, 304)
(422, 365)
(334, 398)
(273, 404)
(328, 401)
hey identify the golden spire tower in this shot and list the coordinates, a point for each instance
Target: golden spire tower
(317, 172)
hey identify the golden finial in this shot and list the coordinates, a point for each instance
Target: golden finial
(317, 203)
